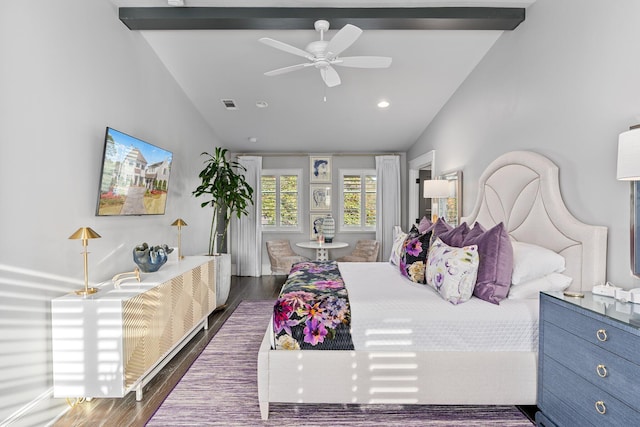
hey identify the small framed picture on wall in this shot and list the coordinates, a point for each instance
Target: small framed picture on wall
(320, 197)
(320, 168)
(315, 224)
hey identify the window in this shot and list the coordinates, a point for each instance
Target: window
(358, 200)
(281, 199)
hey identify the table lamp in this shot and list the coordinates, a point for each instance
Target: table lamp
(179, 223)
(435, 189)
(85, 233)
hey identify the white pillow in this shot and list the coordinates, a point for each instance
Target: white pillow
(533, 262)
(452, 271)
(531, 289)
(396, 248)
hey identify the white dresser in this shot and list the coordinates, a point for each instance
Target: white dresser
(589, 362)
(114, 341)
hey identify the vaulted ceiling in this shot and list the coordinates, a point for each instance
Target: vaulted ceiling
(302, 113)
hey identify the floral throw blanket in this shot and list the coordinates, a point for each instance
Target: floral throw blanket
(312, 311)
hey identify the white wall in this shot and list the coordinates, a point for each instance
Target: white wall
(565, 83)
(68, 69)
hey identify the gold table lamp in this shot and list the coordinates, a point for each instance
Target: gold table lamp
(179, 223)
(85, 233)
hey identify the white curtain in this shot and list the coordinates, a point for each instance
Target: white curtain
(248, 235)
(387, 201)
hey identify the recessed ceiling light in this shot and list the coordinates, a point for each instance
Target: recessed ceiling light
(253, 139)
(383, 104)
(261, 104)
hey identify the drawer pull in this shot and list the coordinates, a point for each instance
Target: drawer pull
(602, 371)
(601, 334)
(600, 407)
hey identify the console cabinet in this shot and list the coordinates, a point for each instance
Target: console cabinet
(589, 361)
(114, 341)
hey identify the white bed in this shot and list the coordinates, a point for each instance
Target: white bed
(519, 188)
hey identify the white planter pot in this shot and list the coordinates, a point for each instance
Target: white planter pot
(222, 264)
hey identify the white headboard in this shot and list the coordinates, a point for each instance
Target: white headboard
(521, 189)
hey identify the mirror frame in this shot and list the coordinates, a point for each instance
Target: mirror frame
(455, 179)
(634, 234)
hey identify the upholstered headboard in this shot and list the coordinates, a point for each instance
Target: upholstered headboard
(521, 189)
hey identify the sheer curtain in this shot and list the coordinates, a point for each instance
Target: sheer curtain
(387, 201)
(248, 236)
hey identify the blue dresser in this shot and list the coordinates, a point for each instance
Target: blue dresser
(589, 361)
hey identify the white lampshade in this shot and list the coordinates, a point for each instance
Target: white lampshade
(629, 155)
(435, 189)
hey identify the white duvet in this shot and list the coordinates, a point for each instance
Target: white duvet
(389, 312)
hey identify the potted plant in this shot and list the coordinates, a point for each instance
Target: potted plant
(228, 193)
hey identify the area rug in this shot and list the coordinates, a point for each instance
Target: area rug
(220, 389)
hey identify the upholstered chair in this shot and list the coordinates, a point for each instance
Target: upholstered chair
(365, 251)
(282, 257)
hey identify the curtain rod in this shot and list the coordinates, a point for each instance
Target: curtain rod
(315, 155)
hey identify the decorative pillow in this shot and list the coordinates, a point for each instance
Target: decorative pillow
(454, 237)
(439, 227)
(396, 249)
(452, 271)
(532, 288)
(414, 257)
(496, 262)
(533, 262)
(424, 224)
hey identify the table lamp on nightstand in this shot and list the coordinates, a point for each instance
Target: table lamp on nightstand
(85, 233)
(435, 189)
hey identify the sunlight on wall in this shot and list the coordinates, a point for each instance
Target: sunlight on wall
(25, 345)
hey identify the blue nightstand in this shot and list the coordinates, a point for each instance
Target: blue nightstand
(589, 361)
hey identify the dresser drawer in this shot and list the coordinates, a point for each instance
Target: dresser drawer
(599, 333)
(581, 396)
(605, 370)
(560, 415)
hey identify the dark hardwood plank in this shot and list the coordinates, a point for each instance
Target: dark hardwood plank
(129, 412)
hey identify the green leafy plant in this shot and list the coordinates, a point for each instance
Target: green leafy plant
(228, 192)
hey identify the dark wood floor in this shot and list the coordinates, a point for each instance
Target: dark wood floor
(129, 412)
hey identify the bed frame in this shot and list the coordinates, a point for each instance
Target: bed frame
(519, 188)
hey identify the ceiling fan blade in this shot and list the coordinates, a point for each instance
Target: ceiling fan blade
(363, 61)
(342, 40)
(330, 76)
(286, 47)
(288, 69)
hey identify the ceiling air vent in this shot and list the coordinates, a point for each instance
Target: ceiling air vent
(229, 104)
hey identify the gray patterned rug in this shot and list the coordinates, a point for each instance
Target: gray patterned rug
(220, 389)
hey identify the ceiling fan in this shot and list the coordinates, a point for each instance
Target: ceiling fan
(323, 54)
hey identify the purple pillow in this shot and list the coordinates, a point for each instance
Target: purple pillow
(439, 227)
(424, 224)
(496, 262)
(455, 237)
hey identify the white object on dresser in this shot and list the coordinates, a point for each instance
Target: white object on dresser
(114, 341)
(589, 362)
(607, 290)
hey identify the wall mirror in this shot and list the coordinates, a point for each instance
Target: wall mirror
(635, 228)
(451, 208)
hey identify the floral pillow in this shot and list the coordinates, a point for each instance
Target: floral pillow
(396, 248)
(414, 256)
(452, 271)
